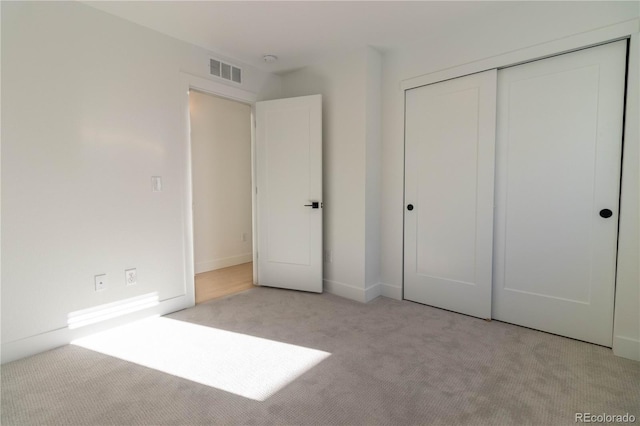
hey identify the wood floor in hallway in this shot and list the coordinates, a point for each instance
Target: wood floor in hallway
(223, 282)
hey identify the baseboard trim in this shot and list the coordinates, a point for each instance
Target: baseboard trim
(626, 347)
(391, 291)
(32, 345)
(372, 292)
(225, 262)
(363, 295)
(345, 290)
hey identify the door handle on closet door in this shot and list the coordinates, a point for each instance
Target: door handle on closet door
(606, 213)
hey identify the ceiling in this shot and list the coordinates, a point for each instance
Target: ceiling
(302, 32)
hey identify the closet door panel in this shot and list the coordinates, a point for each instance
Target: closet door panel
(450, 137)
(558, 165)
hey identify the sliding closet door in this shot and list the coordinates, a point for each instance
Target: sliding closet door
(558, 157)
(449, 168)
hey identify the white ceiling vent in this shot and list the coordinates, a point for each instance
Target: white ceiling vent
(225, 71)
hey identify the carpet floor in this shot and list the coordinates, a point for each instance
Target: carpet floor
(391, 363)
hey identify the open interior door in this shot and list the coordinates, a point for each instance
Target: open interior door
(289, 199)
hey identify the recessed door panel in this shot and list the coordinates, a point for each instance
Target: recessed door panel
(446, 197)
(287, 136)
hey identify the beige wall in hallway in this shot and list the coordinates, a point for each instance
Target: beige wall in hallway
(221, 170)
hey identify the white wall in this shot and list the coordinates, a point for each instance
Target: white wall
(221, 173)
(351, 146)
(93, 106)
(373, 171)
(443, 59)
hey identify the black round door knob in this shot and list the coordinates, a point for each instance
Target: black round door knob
(606, 213)
(410, 207)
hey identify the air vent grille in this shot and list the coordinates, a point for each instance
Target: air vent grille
(225, 71)
(236, 75)
(215, 67)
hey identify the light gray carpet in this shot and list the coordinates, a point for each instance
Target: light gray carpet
(393, 363)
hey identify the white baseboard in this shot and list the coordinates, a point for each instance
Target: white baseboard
(363, 295)
(22, 348)
(345, 290)
(626, 347)
(225, 262)
(372, 292)
(391, 291)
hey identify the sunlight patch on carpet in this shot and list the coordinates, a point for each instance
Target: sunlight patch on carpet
(248, 366)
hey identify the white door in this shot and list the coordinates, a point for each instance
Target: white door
(558, 171)
(449, 168)
(289, 200)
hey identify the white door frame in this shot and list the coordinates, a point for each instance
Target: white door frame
(626, 335)
(190, 81)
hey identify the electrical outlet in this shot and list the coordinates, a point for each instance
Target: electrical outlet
(100, 282)
(328, 256)
(244, 236)
(131, 276)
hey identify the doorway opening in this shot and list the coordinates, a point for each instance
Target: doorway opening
(222, 196)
